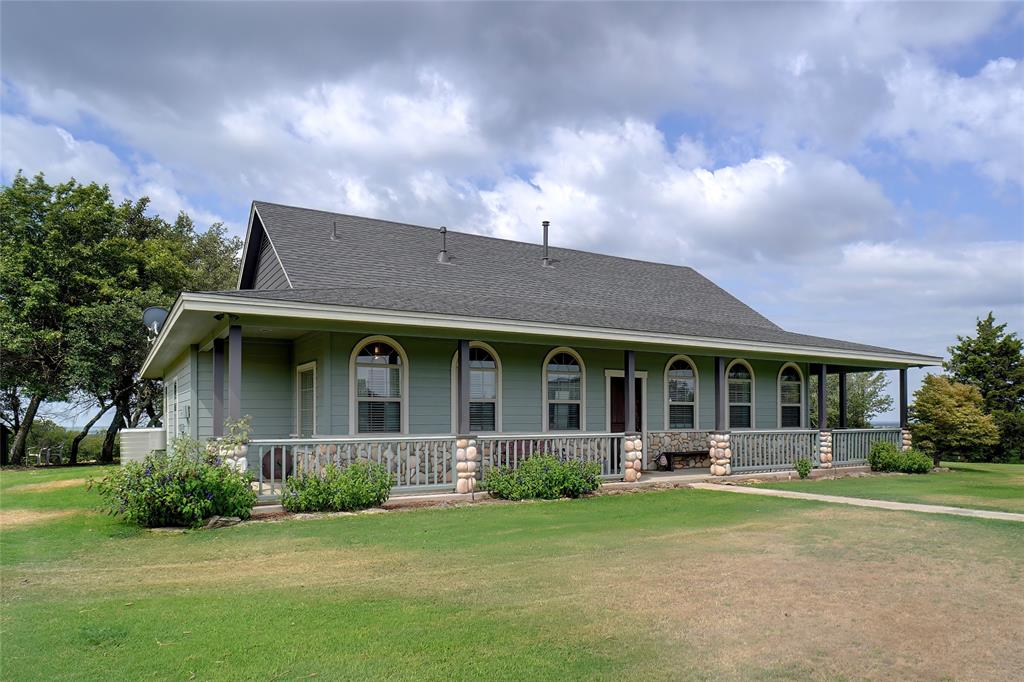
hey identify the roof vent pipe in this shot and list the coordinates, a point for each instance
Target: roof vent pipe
(547, 260)
(334, 234)
(442, 255)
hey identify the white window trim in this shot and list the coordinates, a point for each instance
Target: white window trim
(455, 387)
(608, 374)
(583, 388)
(778, 395)
(305, 367)
(353, 399)
(696, 393)
(753, 396)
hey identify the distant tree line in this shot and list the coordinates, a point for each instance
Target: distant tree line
(76, 272)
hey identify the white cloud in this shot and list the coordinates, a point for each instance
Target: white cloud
(619, 186)
(941, 117)
(32, 147)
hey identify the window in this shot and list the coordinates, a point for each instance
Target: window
(484, 389)
(305, 399)
(380, 383)
(791, 397)
(741, 395)
(564, 391)
(681, 393)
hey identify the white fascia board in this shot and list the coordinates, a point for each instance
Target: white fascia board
(317, 311)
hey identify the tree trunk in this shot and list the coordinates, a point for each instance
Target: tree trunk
(107, 454)
(21, 439)
(77, 441)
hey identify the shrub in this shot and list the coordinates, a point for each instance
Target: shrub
(179, 488)
(889, 457)
(803, 467)
(543, 477)
(358, 486)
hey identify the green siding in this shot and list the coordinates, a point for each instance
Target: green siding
(268, 374)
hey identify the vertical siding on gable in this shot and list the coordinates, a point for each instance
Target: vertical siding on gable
(269, 273)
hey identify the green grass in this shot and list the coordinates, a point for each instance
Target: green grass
(681, 584)
(998, 487)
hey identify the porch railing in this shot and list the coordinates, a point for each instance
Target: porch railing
(512, 449)
(422, 462)
(772, 450)
(850, 447)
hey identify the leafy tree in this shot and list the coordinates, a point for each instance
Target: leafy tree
(947, 420)
(866, 398)
(993, 361)
(76, 271)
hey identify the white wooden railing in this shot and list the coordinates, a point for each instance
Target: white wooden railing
(415, 461)
(511, 449)
(850, 447)
(772, 450)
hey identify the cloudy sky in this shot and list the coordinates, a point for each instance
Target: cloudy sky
(850, 170)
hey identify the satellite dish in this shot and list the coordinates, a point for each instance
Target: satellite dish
(153, 318)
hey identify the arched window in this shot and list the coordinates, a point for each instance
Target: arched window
(484, 389)
(565, 389)
(681, 393)
(741, 395)
(379, 378)
(791, 397)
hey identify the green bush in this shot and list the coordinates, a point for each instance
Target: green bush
(889, 457)
(358, 486)
(803, 467)
(543, 477)
(179, 488)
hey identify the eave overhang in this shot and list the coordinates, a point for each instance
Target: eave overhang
(192, 321)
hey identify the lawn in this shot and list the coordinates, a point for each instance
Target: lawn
(681, 584)
(981, 486)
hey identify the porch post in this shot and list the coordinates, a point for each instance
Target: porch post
(463, 388)
(218, 388)
(719, 447)
(824, 433)
(907, 440)
(721, 406)
(629, 373)
(842, 398)
(235, 372)
(467, 462)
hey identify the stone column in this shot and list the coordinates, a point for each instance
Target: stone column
(825, 449)
(720, 454)
(633, 447)
(467, 462)
(908, 441)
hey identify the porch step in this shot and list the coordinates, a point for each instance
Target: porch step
(264, 510)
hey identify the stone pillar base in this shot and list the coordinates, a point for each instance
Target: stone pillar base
(720, 454)
(633, 447)
(467, 462)
(906, 439)
(825, 449)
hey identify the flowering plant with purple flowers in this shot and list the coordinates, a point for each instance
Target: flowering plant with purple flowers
(177, 488)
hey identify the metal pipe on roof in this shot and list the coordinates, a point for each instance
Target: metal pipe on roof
(442, 256)
(547, 260)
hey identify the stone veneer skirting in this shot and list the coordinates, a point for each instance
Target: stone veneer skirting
(679, 441)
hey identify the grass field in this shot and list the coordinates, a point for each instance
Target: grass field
(980, 486)
(681, 584)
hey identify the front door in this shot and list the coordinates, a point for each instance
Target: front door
(617, 401)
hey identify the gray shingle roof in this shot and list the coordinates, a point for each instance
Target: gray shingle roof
(387, 265)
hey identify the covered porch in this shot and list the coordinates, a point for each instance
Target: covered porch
(439, 411)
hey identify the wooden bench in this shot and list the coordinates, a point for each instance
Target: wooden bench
(670, 458)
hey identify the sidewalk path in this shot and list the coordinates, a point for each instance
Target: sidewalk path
(859, 502)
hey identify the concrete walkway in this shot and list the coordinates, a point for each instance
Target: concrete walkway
(858, 502)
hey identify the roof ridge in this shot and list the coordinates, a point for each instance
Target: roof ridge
(477, 235)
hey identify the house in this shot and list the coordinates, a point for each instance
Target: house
(442, 354)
